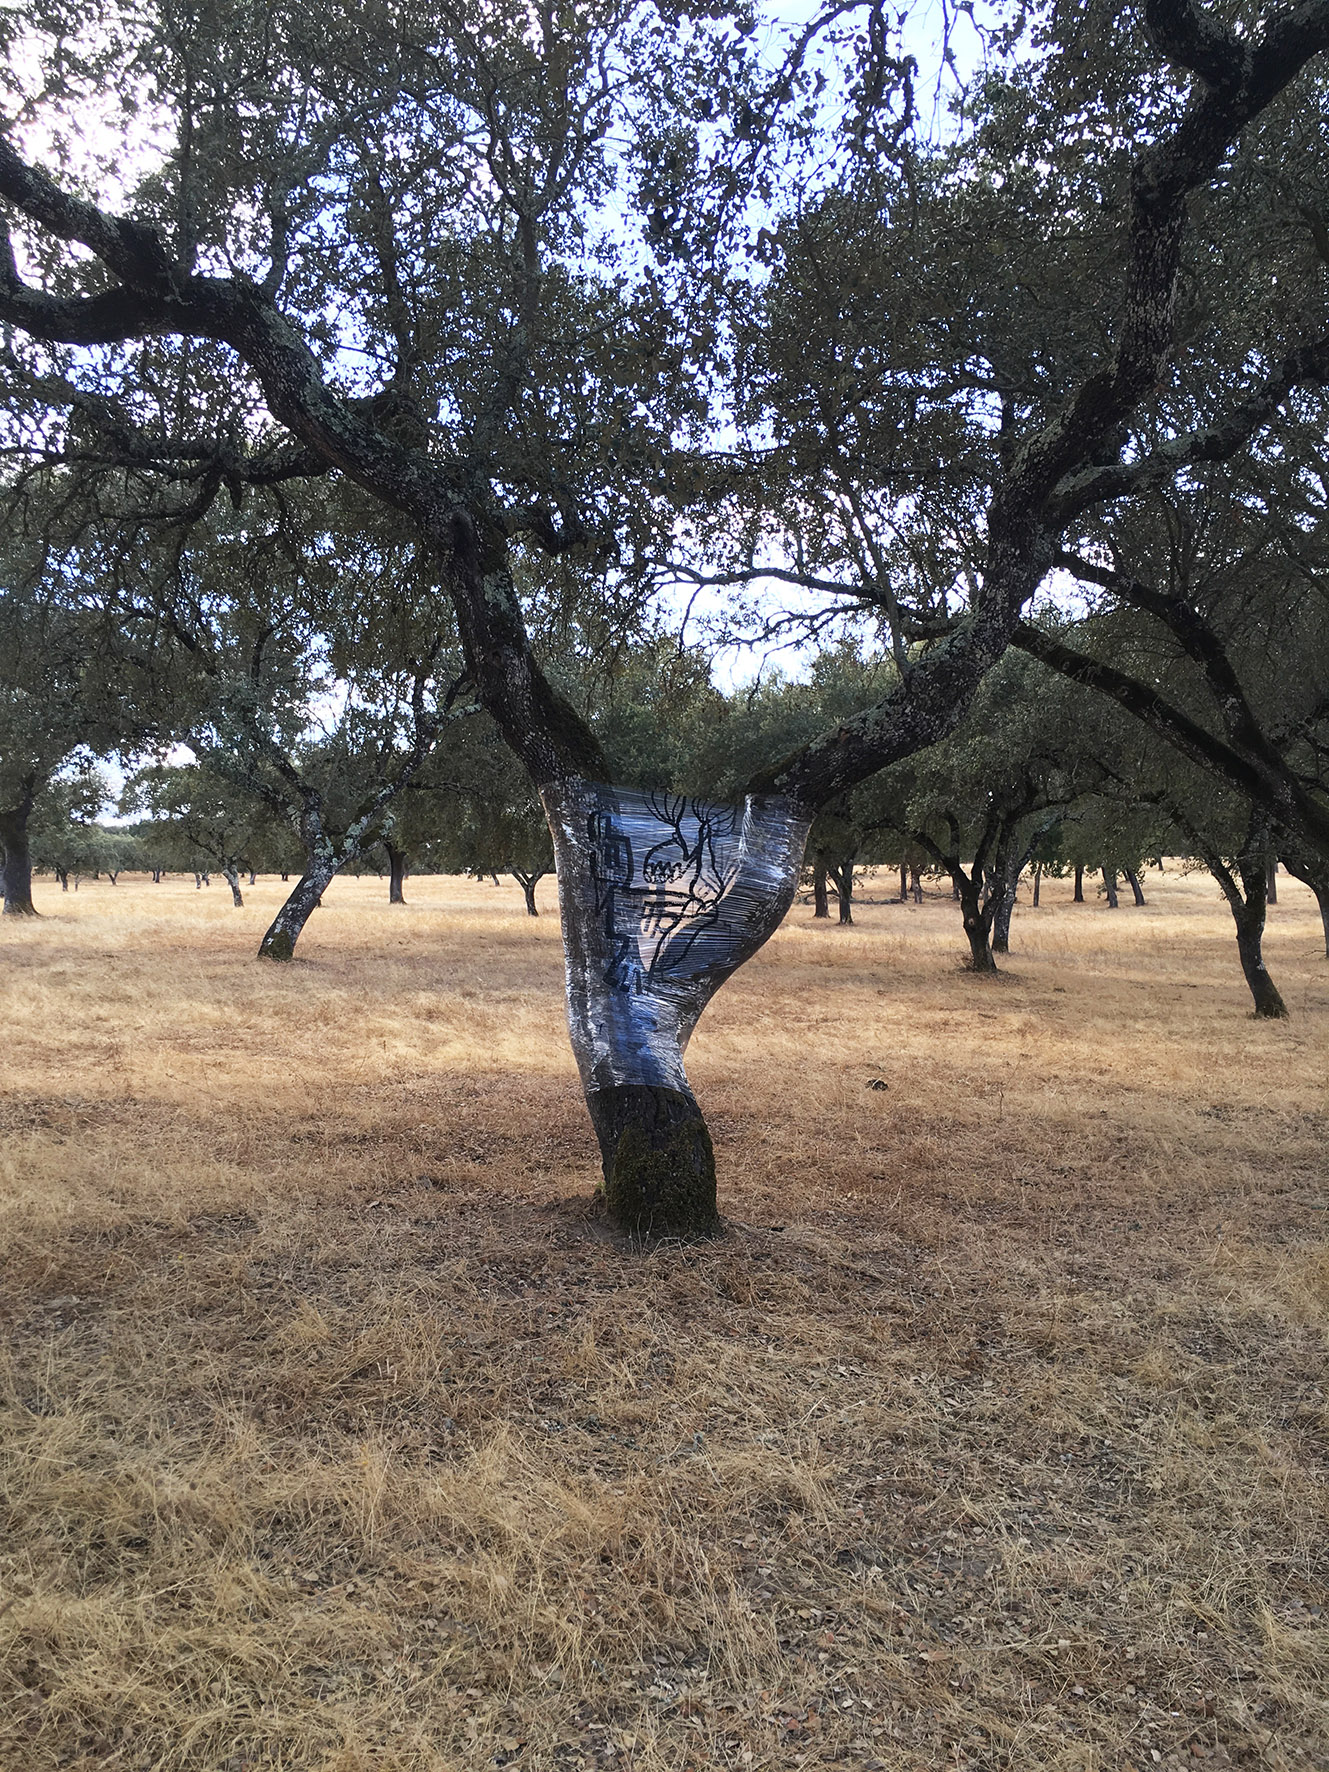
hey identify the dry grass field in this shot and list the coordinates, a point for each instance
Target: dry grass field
(335, 1433)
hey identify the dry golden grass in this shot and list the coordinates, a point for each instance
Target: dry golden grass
(337, 1435)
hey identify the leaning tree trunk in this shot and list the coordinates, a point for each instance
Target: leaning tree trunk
(1317, 878)
(307, 894)
(1110, 887)
(232, 878)
(821, 904)
(1133, 881)
(396, 872)
(1269, 1005)
(17, 854)
(662, 897)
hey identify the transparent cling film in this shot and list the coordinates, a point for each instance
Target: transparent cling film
(662, 897)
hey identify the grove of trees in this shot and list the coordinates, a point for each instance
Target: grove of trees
(403, 408)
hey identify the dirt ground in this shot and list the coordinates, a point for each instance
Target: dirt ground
(335, 1432)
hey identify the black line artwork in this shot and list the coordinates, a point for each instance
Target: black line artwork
(663, 896)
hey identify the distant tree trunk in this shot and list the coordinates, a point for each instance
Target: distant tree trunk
(307, 894)
(661, 899)
(1038, 883)
(904, 883)
(232, 878)
(396, 872)
(253, 879)
(62, 875)
(528, 883)
(156, 876)
(285, 878)
(916, 884)
(1245, 894)
(1077, 897)
(820, 902)
(113, 875)
(1271, 882)
(1001, 921)
(843, 879)
(1110, 887)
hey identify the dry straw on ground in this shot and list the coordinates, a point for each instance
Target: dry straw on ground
(336, 1435)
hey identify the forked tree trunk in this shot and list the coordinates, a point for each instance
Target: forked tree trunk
(17, 854)
(821, 904)
(528, 883)
(662, 897)
(1133, 881)
(1110, 887)
(977, 919)
(1077, 897)
(396, 872)
(232, 878)
(307, 894)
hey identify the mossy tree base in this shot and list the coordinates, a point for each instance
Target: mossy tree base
(659, 1165)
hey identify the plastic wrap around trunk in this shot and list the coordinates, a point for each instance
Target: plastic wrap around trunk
(662, 896)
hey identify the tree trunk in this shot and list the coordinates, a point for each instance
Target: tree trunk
(17, 853)
(156, 876)
(821, 906)
(1038, 882)
(1317, 878)
(396, 872)
(253, 878)
(916, 884)
(1269, 1005)
(1133, 880)
(977, 921)
(62, 875)
(904, 883)
(232, 878)
(306, 895)
(1110, 887)
(528, 883)
(1077, 897)
(1001, 921)
(662, 897)
(113, 877)
(843, 876)
(1271, 884)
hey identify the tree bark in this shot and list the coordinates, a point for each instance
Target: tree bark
(17, 853)
(1271, 884)
(1269, 1004)
(1077, 897)
(1110, 887)
(916, 884)
(285, 929)
(1133, 881)
(1038, 883)
(821, 906)
(904, 883)
(396, 872)
(232, 878)
(662, 898)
